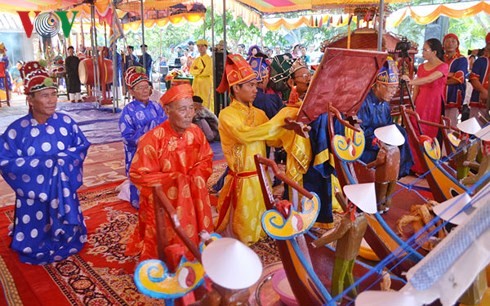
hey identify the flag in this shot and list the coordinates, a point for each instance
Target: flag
(340, 21)
(329, 21)
(116, 30)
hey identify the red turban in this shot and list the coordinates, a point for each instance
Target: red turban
(237, 71)
(451, 35)
(176, 93)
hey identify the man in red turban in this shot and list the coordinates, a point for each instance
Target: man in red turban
(176, 156)
(456, 81)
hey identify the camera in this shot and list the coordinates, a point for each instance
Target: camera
(403, 46)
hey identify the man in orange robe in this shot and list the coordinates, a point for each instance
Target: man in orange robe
(176, 156)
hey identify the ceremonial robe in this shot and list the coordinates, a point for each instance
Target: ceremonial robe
(181, 164)
(375, 113)
(42, 163)
(72, 78)
(137, 119)
(241, 202)
(202, 85)
(481, 72)
(458, 66)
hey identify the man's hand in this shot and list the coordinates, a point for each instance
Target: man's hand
(298, 127)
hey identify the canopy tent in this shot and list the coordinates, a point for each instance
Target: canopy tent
(426, 14)
(283, 6)
(101, 6)
(160, 14)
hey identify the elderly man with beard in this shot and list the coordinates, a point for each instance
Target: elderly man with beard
(176, 156)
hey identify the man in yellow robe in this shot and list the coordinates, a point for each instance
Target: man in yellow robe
(297, 147)
(202, 71)
(243, 131)
(240, 204)
(176, 156)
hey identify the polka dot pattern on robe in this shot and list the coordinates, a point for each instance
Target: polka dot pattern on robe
(42, 163)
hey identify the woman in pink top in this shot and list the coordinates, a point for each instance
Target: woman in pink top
(428, 90)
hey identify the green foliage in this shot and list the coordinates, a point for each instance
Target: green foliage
(471, 31)
(161, 40)
(238, 32)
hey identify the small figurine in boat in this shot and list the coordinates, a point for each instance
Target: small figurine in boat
(387, 164)
(484, 166)
(349, 234)
(466, 150)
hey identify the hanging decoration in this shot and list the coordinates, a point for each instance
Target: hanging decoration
(426, 14)
(47, 25)
(314, 21)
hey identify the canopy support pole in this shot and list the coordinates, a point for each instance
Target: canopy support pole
(115, 72)
(225, 55)
(142, 9)
(381, 24)
(95, 56)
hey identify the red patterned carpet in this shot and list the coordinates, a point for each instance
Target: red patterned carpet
(99, 275)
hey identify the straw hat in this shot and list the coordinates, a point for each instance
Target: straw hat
(470, 126)
(390, 135)
(363, 196)
(484, 134)
(385, 298)
(454, 206)
(231, 264)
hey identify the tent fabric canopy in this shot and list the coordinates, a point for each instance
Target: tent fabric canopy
(428, 13)
(101, 6)
(336, 20)
(283, 6)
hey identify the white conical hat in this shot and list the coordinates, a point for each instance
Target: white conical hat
(386, 298)
(470, 126)
(390, 135)
(231, 264)
(454, 205)
(484, 134)
(363, 196)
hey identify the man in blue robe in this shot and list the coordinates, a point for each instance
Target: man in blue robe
(456, 82)
(137, 118)
(41, 159)
(146, 60)
(375, 112)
